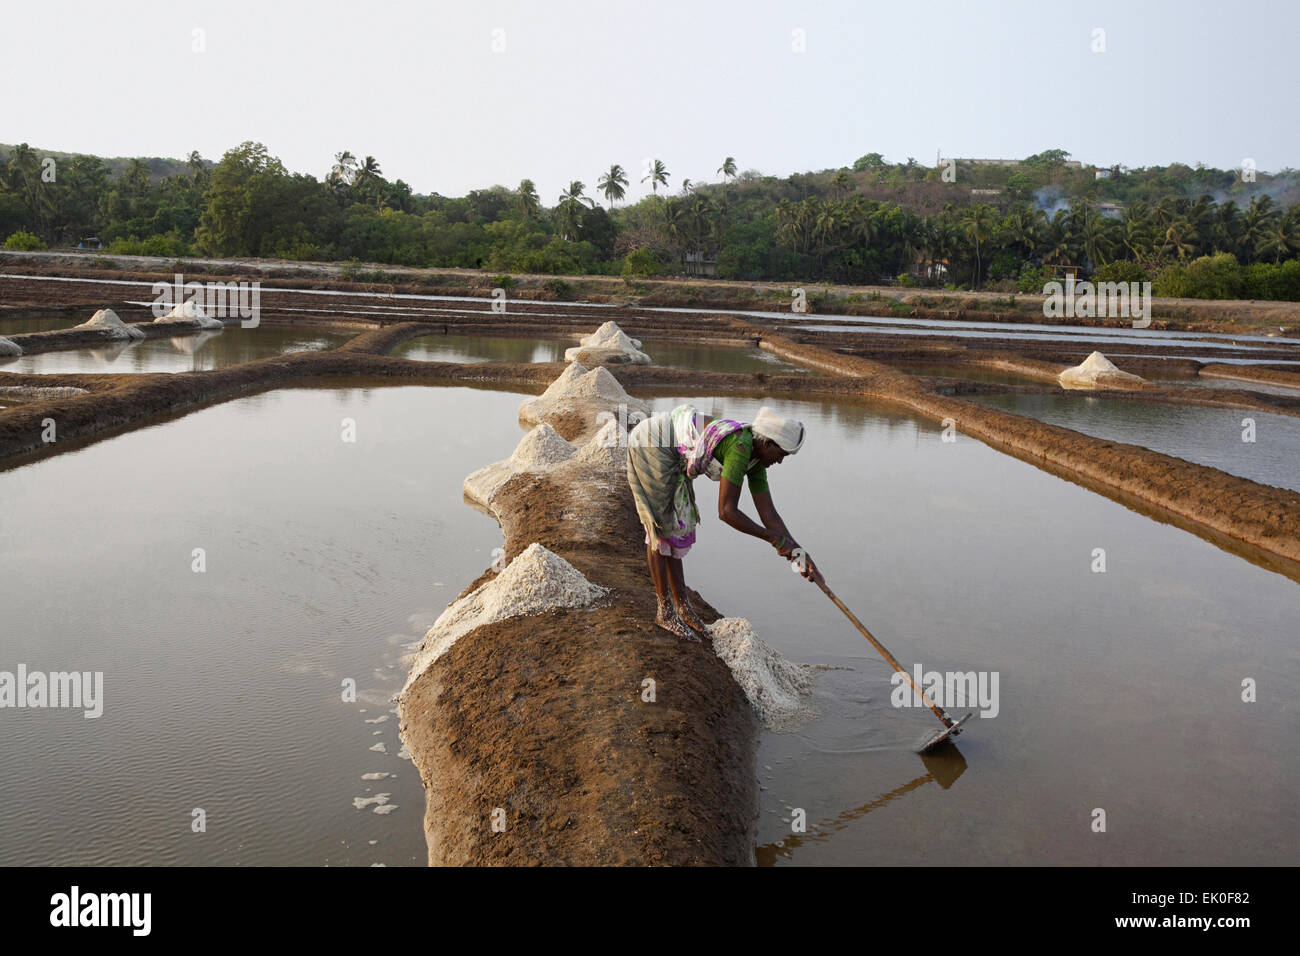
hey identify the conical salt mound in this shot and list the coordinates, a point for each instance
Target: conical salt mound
(539, 449)
(535, 581)
(108, 319)
(189, 311)
(778, 689)
(1097, 371)
(578, 402)
(608, 345)
(8, 348)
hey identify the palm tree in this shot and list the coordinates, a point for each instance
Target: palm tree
(368, 170)
(570, 205)
(1281, 238)
(657, 174)
(1255, 224)
(978, 223)
(527, 200)
(728, 170)
(1181, 237)
(345, 168)
(843, 183)
(613, 184)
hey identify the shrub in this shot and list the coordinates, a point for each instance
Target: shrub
(640, 262)
(558, 288)
(25, 241)
(504, 282)
(1031, 280)
(1209, 277)
(1121, 270)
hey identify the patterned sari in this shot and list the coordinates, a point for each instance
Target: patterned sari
(666, 452)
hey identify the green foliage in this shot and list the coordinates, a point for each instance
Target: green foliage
(1121, 270)
(640, 262)
(169, 246)
(1032, 279)
(869, 161)
(25, 241)
(503, 282)
(558, 289)
(1208, 277)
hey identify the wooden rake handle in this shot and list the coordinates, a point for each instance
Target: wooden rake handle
(884, 652)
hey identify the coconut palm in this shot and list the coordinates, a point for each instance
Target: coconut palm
(613, 184)
(728, 170)
(979, 223)
(1255, 224)
(1281, 238)
(569, 209)
(527, 200)
(657, 174)
(1180, 237)
(345, 168)
(843, 183)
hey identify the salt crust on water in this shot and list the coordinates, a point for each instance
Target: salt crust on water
(189, 311)
(536, 580)
(9, 348)
(1097, 371)
(108, 319)
(778, 688)
(609, 341)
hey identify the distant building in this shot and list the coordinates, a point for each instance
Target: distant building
(700, 263)
(986, 193)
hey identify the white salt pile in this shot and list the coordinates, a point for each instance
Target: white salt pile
(778, 689)
(108, 319)
(608, 344)
(189, 311)
(35, 393)
(1097, 371)
(8, 348)
(535, 581)
(537, 450)
(584, 393)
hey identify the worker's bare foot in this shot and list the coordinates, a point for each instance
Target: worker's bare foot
(691, 619)
(667, 619)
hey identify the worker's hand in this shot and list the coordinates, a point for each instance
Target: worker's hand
(787, 547)
(802, 562)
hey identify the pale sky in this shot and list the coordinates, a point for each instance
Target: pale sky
(580, 85)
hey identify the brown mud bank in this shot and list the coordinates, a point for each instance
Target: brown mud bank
(535, 737)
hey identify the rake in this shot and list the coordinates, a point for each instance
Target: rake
(951, 728)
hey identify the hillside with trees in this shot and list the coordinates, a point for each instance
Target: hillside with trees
(962, 224)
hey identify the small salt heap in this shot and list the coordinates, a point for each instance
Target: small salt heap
(777, 688)
(1097, 371)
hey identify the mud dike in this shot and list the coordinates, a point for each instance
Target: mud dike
(552, 722)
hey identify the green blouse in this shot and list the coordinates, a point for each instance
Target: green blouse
(736, 452)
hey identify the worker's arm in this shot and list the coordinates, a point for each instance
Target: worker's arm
(729, 512)
(772, 530)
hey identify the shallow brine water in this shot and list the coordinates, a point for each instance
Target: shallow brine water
(1118, 690)
(1261, 446)
(493, 348)
(23, 324)
(182, 353)
(223, 690)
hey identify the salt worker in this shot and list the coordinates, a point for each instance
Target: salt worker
(666, 452)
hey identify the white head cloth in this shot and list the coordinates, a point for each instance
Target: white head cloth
(786, 432)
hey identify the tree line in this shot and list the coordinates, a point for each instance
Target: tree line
(957, 225)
